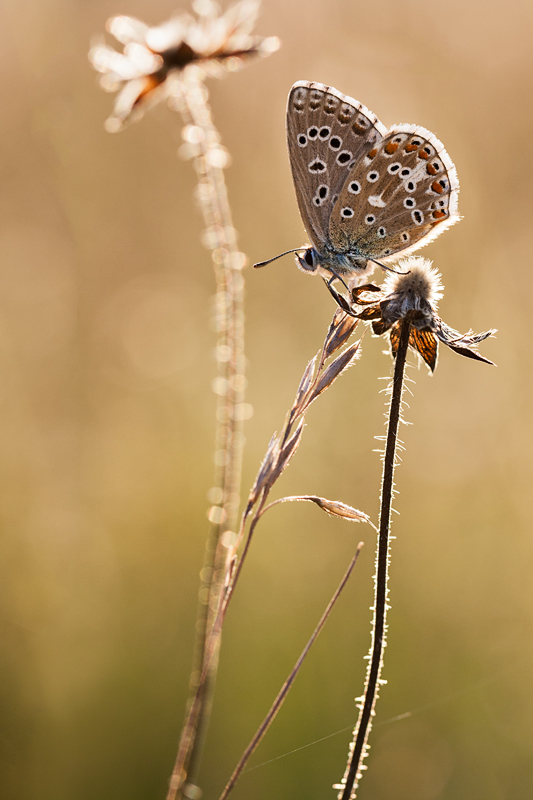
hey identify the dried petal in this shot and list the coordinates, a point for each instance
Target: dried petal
(359, 290)
(462, 344)
(342, 362)
(394, 339)
(379, 327)
(464, 351)
(425, 344)
(372, 312)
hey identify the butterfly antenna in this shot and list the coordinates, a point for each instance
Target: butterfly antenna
(388, 269)
(270, 260)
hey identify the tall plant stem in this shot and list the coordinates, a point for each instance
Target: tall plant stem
(220, 237)
(358, 749)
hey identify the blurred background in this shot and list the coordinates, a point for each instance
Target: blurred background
(106, 423)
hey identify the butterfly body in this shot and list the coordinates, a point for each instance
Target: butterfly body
(365, 193)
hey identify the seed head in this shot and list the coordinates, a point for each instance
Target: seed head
(153, 60)
(417, 283)
(411, 294)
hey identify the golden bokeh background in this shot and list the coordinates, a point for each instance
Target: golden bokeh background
(106, 423)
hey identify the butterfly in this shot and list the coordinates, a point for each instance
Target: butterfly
(365, 193)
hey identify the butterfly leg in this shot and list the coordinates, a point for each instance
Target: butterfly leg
(339, 298)
(336, 276)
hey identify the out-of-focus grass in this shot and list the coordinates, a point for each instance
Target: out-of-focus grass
(105, 372)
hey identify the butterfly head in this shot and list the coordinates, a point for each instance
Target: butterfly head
(347, 266)
(308, 259)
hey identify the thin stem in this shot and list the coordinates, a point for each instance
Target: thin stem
(278, 702)
(220, 237)
(358, 749)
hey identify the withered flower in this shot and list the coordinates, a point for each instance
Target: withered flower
(149, 68)
(412, 293)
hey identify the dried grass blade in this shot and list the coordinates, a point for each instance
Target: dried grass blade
(342, 362)
(303, 388)
(288, 451)
(265, 471)
(341, 328)
(278, 702)
(336, 508)
(333, 507)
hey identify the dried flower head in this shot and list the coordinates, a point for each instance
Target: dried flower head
(148, 70)
(411, 294)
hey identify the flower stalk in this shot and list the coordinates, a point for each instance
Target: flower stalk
(359, 749)
(172, 61)
(220, 236)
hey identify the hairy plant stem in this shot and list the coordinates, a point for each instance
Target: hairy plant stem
(220, 237)
(358, 748)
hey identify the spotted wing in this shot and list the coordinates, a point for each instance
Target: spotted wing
(327, 133)
(399, 197)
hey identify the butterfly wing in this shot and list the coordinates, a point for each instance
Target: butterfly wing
(398, 197)
(327, 133)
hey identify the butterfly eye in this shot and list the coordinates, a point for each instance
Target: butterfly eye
(308, 258)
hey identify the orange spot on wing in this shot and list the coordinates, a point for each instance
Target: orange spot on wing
(358, 129)
(431, 170)
(423, 154)
(373, 152)
(410, 148)
(438, 215)
(391, 148)
(437, 187)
